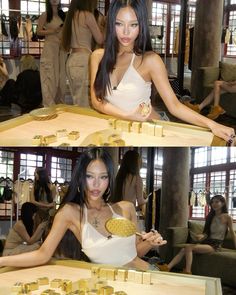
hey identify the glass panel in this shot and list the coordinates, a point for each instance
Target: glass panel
(218, 155)
(200, 157)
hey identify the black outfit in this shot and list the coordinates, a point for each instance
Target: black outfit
(28, 90)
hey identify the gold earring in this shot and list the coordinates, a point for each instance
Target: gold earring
(78, 190)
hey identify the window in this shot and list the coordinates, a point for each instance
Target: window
(200, 157)
(232, 1)
(175, 19)
(231, 48)
(28, 163)
(233, 154)
(6, 164)
(218, 155)
(159, 18)
(217, 182)
(199, 184)
(61, 169)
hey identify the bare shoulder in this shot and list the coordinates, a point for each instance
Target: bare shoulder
(97, 54)
(151, 57)
(69, 211)
(228, 217)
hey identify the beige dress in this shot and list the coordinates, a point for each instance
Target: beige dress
(52, 66)
(133, 190)
(77, 65)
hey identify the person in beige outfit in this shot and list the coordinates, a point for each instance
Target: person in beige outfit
(79, 29)
(53, 57)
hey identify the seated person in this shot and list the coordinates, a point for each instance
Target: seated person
(218, 223)
(220, 87)
(26, 234)
(28, 95)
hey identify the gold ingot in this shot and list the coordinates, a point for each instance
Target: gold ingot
(103, 273)
(112, 123)
(111, 274)
(106, 290)
(147, 278)
(83, 284)
(17, 287)
(66, 286)
(50, 139)
(100, 284)
(119, 142)
(43, 281)
(95, 271)
(37, 139)
(121, 275)
(120, 293)
(33, 286)
(61, 133)
(56, 283)
(74, 135)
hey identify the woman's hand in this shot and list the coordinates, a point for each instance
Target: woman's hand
(141, 113)
(154, 238)
(227, 133)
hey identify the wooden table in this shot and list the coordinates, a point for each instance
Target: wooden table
(20, 131)
(161, 283)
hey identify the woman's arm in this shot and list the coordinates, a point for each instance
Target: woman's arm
(148, 240)
(93, 26)
(159, 77)
(61, 223)
(231, 230)
(104, 106)
(41, 23)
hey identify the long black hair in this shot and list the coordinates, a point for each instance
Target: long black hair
(130, 165)
(49, 12)
(141, 44)
(77, 187)
(41, 185)
(75, 5)
(27, 211)
(69, 246)
(207, 227)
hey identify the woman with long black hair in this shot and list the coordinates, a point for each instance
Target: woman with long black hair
(26, 234)
(122, 73)
(217, 224)
(43, 192)
(53, 57)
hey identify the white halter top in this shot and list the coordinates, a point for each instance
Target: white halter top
(131, 91)
(115, 251)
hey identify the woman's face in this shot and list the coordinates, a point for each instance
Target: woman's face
(97, 180)
(216, 204)
(127, 26)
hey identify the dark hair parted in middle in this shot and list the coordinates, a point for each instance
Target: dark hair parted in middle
(49, 11)
(142, 43)
(207, 227)
(77, 187)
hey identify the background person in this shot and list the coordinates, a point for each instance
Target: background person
(26, 234)
(79, 29)
(220, 87)
(129, 184)
(53, 57)
(217, 224)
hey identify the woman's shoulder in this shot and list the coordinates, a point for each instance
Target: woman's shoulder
(151, 57)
